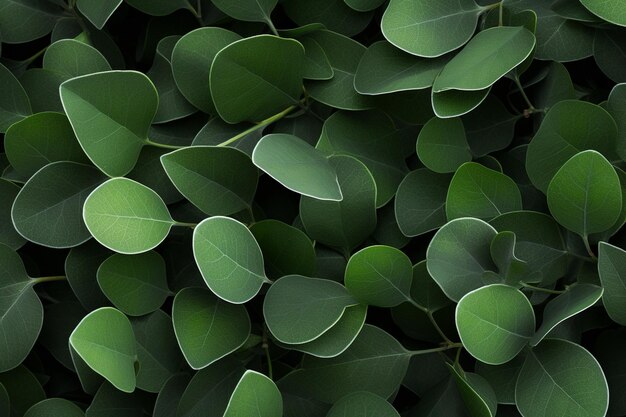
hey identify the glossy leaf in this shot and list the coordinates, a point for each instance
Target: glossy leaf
(229, 259)
(206, 327)
(607, 10)
(256, 396)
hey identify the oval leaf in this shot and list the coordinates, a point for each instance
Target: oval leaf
(255, 396)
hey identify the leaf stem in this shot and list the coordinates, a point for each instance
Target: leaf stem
(49, 279)
(272, 27)
(448, 346)
(531, 108)
(500, 15)
(163, 145)
(491, 7)
(429, 313)
(588, 247)
(541, 289)
(266, 348)
(259, 125)
(183, 224)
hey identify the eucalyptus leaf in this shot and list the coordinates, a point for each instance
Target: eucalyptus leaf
(607, 10)
(612, 275)
(14, 104)
(256, 396)
(53, 407)
(73, 58)
(98, 12)
(442, 146)
(362, 404)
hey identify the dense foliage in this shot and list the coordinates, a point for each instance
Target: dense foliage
(312, 208)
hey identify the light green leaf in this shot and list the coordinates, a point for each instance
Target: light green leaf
(379, 276)
(40, 139)
(495, 322)
(73, 58)
(485, 59)
(348, 222)
(229, 259)
(442, 146)
(453, 103)
(111, 110)
(559, 377)
(21, 312)
(576, 299)
(420, 202)
(206, 327)
(247, 10)
(135, 284)
(98, 11)
(255, 396)
(192, 58)
(371, 138)
(126, 216)
(611, 267)
(53, 407)
(609, 10)
(477, 191)
(585, 195)
(48, 209)
(14, 103)
(384, 69)
(569, 127)
(299, 309)
(247, 86)
(219, 181)
(297, 166)
(104, 339)
(423, 28)
(362, 404)
(458, 256)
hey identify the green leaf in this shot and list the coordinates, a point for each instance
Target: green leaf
(98, 11)
(569, 127)
(297, 166)
(334, 15)
(286, 250)
(379, 276)
(477, 191)
(23, 388)
(135, 284)
(609, 53)
(420, 202)
(169, 397)
(21, 312)
(126, 217)
(475, 392)
(111, 110)
(192, 58)
(384, 69)
(299, 309)
(60, 319)
(453, 103)
(612, 275)
(219, 181)
(362, 404)
(40, 139)
(316, 65)
(458, 256)
(502, 378)
(110, 401)
(485, 59)
(206, 327)
(442, 146)
(14, 103)
(5, 406)
(364, 5)
(371, 138)
(24, 21)
(495, 322)
(422, 29)
(489, 127)
(255, 396)
(561, 377)
(229, 259)
(104, 339)
(616, 106)
(585, 195)
(247, 10)
(48, 209)
(328, 380)
(73, 58)
(245, 85)
(338, 338)
(576, 299)
(158, 7)
(8, 235)
(81, 267)
(348, 222)
(52, 407)
(609, 10)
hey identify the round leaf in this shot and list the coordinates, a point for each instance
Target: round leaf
(135, 284)
(442, 146)
(53, 407)
(246, 85)
(14, 103)
(585, 195)
(561, 377)
(229, 259)
(255, 396)
(104, 339)
(453, 103)
(380, 276)
(8, 235)
(299, 309)
(297, 166)
(612, 270)
(206, 327)
(362, 404)
(111, 110)
(495, 322)
(610, 10)
(73, 58)
(48, 209)
(126, 216)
